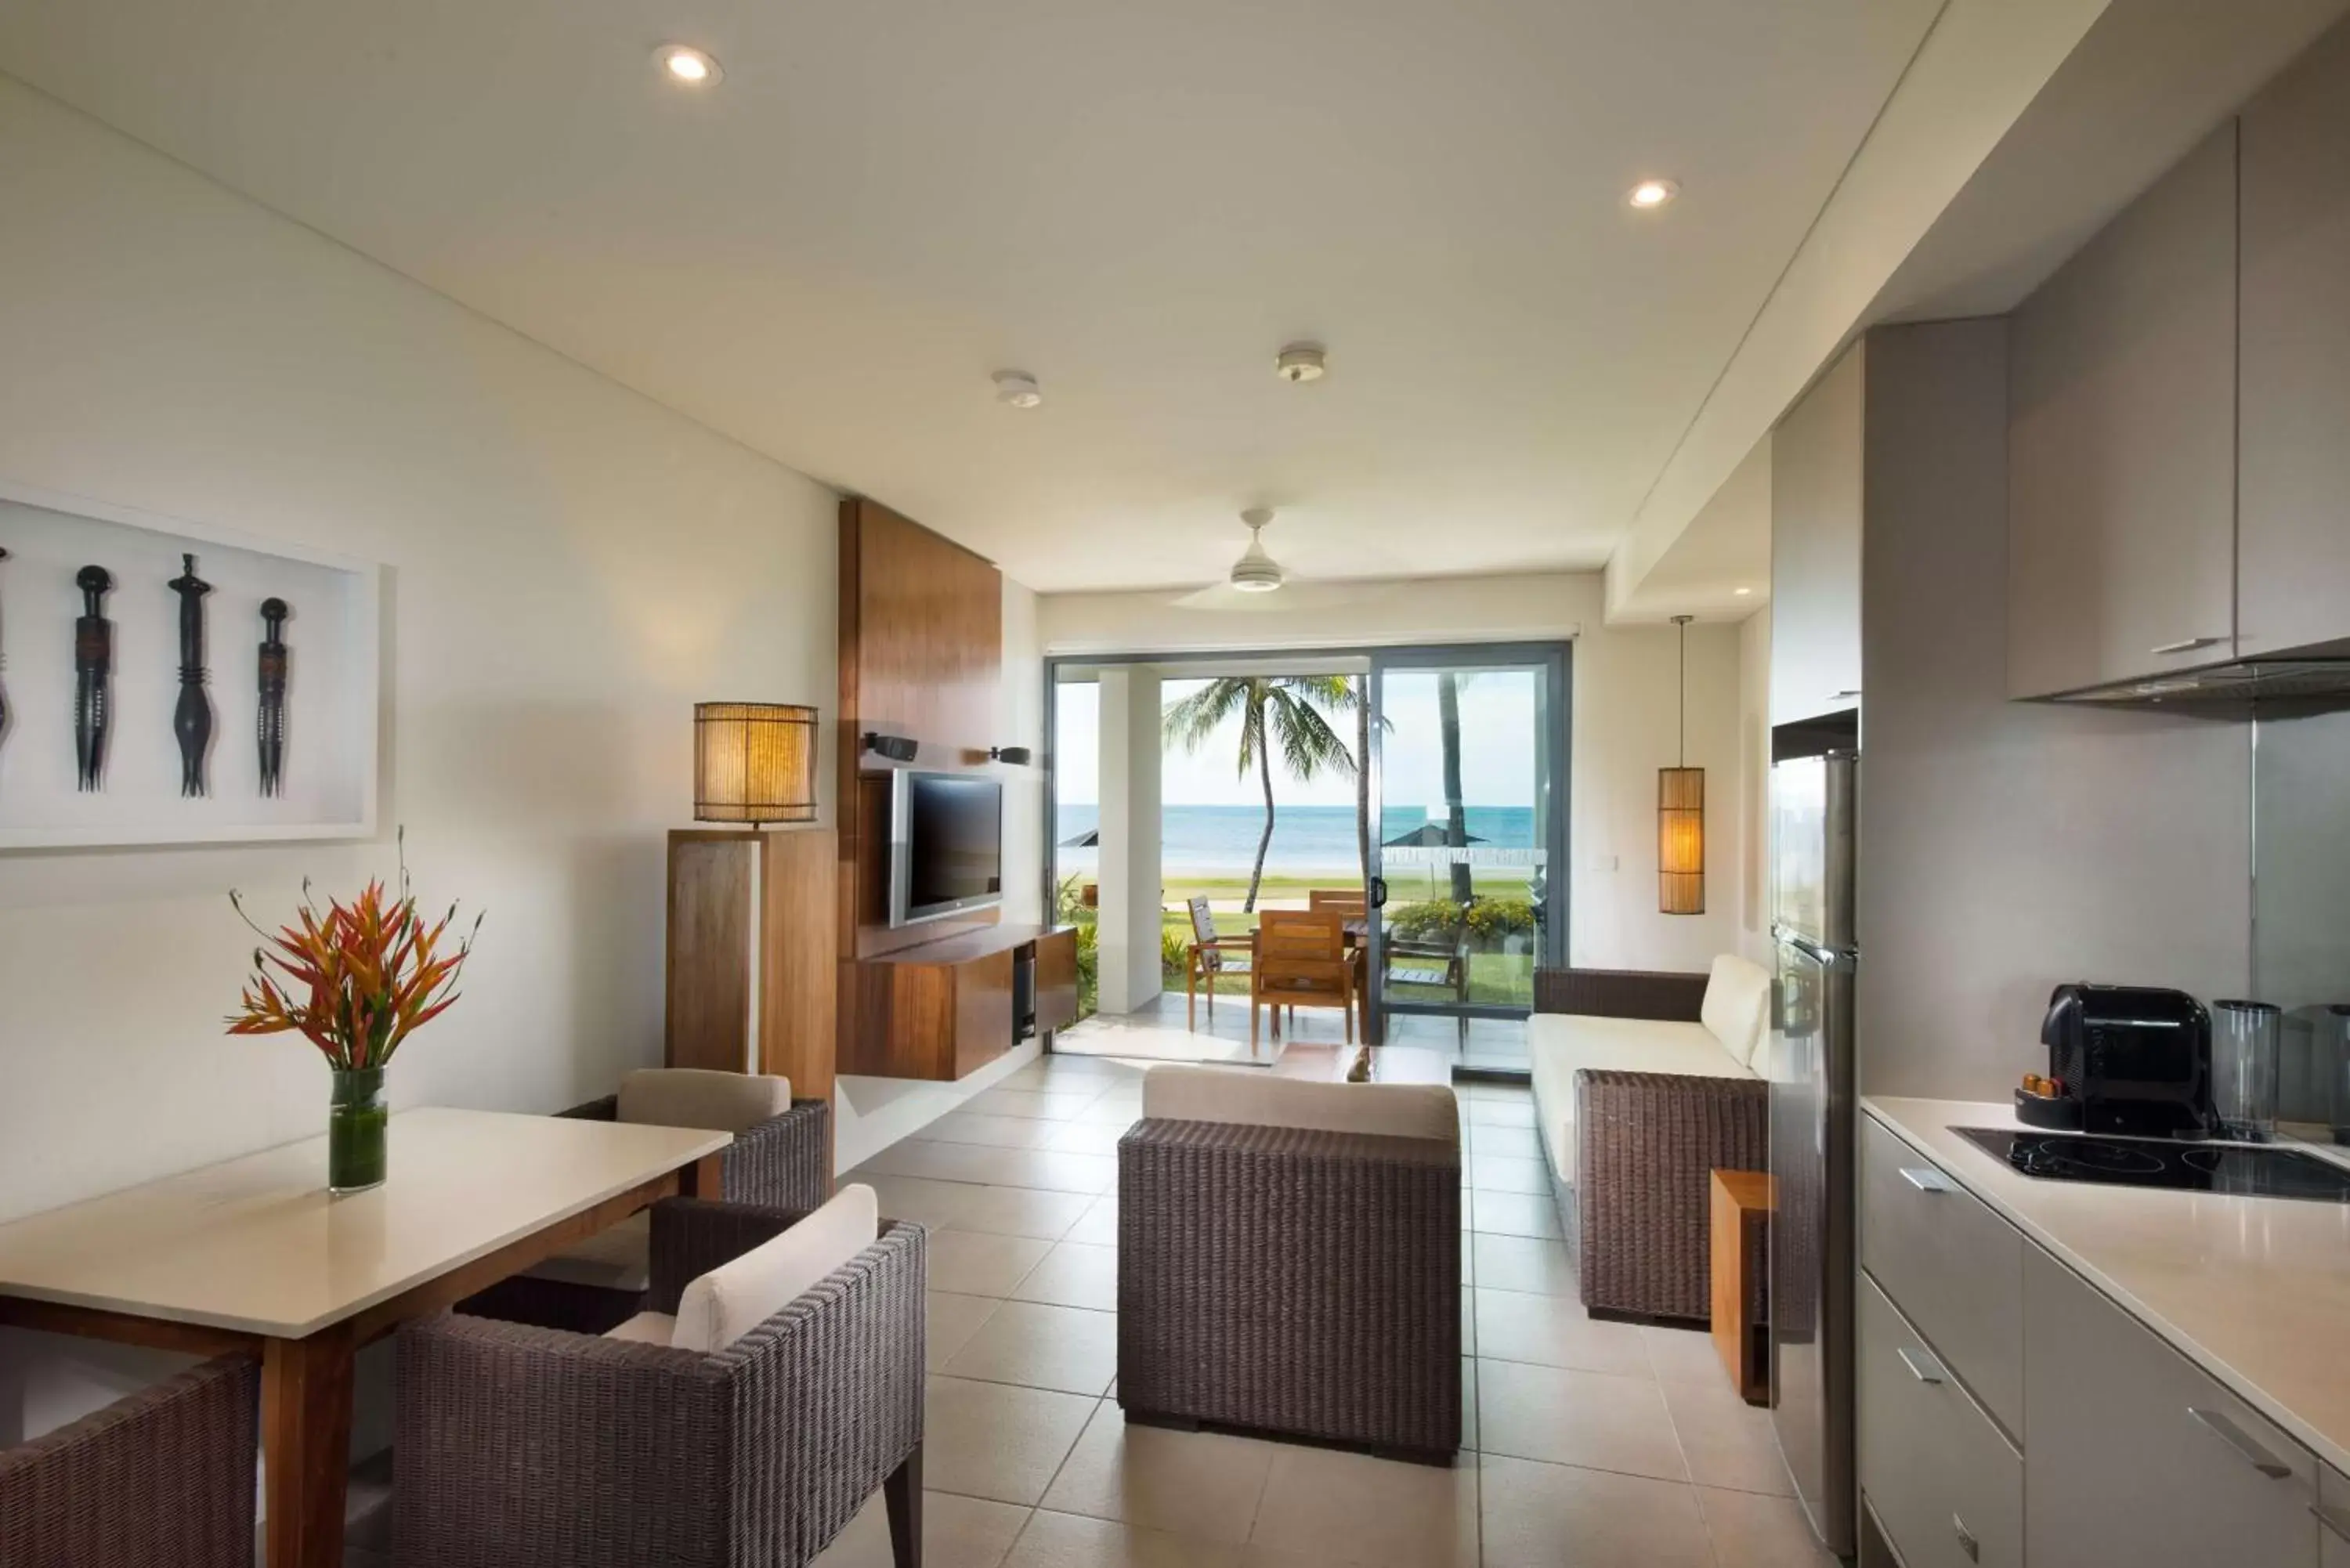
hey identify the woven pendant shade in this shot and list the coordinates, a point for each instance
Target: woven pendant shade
(753, 763)
(1680, 817)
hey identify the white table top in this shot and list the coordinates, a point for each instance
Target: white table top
(256, 1244)
(2255, 1291)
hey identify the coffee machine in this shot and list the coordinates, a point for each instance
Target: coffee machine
(2127, 1061)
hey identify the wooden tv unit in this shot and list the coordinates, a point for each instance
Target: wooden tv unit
(942, 1010)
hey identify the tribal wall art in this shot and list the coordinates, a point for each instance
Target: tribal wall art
(111, 610)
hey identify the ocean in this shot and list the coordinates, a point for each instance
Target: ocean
(1202, 838)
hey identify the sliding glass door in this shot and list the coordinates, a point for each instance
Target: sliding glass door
(1470, 849)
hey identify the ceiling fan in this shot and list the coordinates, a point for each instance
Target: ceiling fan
(1257, 582)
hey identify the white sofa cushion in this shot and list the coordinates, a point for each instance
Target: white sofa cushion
(1737, 1004)
(1565, 1043)
(729, 1301)
(1258, 1098)
(646, 1328)
(699, 1097)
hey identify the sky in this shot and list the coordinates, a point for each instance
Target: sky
(1497, 749)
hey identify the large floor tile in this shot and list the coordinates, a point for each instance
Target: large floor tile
(1099, 1226)
(1508, 1143)
(1500, 1173)
(1527, 1263)
(997, 1441)
(975, 1263)
(1467, 1321)
(1092, 1174)
(917, 1157)
(1021, 1211)
(1755, 1532)
(1084, 1137)
(951, 1321)
(1001, 1132)
(1041, 1346)
(1469, 1402)
(1499, 1113)
(1323, 1506)
(1728, 1442)
(1074, 1274)
(1051, 1104)
(956, 1533)
(1067, 1541)
(915, 1198)
(1205, 1485)
(1112, 1110)
(1540, 1516)
(1554, 1331)
(1595, 1419)
(1683, 1355)
(1517, 1214)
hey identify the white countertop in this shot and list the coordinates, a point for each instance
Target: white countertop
(2255, 1291)
(256, 1244)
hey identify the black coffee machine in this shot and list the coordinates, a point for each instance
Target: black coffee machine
(2132, 1061)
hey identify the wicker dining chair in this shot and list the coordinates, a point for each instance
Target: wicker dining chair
(1301, 961)
(163, 1479)
(524, 1447)
(1210, 956)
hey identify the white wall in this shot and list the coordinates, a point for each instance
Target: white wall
(1131, 894)
(1754, 871)
(1625, 723)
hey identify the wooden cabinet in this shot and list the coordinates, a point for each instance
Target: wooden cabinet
(2122, 443)
(1815, 524)
(737, 898)
(2132, 1454)
(1944, 1483)
(2293, 501)
(945, 1009)
(2333, 1519)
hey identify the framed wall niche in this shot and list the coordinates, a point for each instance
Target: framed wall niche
(327, 779)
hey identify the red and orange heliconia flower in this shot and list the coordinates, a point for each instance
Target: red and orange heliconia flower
(354, 981)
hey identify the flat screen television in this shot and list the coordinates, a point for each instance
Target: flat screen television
(946, 844)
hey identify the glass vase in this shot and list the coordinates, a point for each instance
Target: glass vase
(357, 1122)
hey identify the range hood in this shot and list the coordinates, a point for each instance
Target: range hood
(2303, 681)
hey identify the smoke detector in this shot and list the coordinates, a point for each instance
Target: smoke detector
(1018, 389)
(1299, 362)
(1256, 572)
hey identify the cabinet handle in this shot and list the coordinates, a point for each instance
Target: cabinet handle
(1925, 1179)
(2335, 1520)
(1967, 1542)
(2221, 1426)
(2185, 645)
(1922, 1367)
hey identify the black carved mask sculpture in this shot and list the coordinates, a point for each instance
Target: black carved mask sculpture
(191, 720)
(93, 666)
(272, 696)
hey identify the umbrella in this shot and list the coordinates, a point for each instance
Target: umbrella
(1427, 836)
(1089, 839)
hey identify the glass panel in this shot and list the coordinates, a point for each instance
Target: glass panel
(1075, 852)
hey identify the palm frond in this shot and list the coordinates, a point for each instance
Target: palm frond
(1190, 720)
(1309, 746)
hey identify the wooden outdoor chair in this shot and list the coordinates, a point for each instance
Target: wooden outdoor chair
(1348, 904)
(1209, 957)
(1301, 961)
(1433, 962)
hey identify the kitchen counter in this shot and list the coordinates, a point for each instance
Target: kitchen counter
(2255, 1291)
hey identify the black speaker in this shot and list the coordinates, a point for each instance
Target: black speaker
(1015, 755)
(897, 748)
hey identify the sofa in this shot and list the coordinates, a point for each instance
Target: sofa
(1644, 1084)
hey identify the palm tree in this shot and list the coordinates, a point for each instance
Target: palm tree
(1285, 710)
(1456, 832)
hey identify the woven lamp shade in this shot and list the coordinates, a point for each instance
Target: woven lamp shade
(753, 763)
(1681, 841)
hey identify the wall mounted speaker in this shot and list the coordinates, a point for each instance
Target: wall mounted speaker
(897, 748)
(1016, 755)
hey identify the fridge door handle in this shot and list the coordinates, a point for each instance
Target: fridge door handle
(1922, 1367)
(2223, 1426)
(1926, 1179)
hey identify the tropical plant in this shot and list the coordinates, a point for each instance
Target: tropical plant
(1283, 710)
(1088, 968)
(1174, 954)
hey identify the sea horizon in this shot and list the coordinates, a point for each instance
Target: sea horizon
(1204, 838)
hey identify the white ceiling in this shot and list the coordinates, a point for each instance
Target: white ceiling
(827, 255)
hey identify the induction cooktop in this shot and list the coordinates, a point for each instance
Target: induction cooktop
(2237, 1170)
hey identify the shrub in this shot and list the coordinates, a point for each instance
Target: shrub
(1174, 954)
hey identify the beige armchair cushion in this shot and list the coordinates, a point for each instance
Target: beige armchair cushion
(728, 1303)
(1260, 1099)
(1737, 1003)
(646, 1328)
(698, 1097)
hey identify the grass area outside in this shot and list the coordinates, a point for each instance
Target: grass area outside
(1500, 980)
(1406, 886)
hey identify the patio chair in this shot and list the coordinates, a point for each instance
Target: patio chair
(163, 1477)
(1208, 958)
(1301, 961)
(742, 1422)
(1429, 961)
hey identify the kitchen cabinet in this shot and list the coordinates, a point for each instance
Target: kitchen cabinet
(1946, 1486)
(2333, 1519)
(2122, 443)
(2293, 501)
(1815, 516)
(2132, 1454)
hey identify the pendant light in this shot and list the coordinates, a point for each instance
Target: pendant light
(1681, 816)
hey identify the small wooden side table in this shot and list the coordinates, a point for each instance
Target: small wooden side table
(1742, 1215)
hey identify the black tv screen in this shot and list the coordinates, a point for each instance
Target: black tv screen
(949, 845)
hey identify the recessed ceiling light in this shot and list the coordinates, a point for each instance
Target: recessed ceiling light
(1301, 362)
(1018, 389)
(683, 63)
(1741, 593)
(1653, 193)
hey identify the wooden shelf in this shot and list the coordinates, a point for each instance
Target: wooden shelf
(945, 1009)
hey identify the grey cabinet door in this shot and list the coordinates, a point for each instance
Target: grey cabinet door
(2294, 507)
(2121, 443)
(2132, 1454)
(2333, 1518)
(1815, 504)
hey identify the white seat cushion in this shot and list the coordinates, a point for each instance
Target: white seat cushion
(729, 1302)
(1258, 1098)
(698, 1097)
(646, 1328)
(617, 1259)
(1737, 1003)
(1564, 1044)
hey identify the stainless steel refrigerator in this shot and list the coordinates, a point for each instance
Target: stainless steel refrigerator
(1814, 803)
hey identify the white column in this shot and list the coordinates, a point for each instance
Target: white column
(1129, 837)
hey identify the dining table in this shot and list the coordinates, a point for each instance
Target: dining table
(254, 1256)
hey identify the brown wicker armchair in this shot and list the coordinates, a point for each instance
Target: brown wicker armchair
(163, 1479)
(522, 1447)
(1637, 1206)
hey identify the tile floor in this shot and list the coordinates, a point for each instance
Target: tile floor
(1589, 1443)
(1169, 1029)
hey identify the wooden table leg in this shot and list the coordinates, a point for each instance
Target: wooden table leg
(705, 1178)
(305, 1440)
